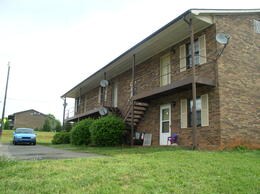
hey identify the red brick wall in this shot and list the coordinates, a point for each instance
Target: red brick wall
(233, 104)
(239, 82)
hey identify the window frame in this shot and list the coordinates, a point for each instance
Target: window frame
(198, 111)
(196, 53)
(167, 67)
(202, 112)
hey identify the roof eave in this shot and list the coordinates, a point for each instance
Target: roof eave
(197, 13)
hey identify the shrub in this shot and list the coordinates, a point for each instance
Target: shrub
(67, 126)
(61, 138)
(107, 131)
(80, 132)
(46, 125)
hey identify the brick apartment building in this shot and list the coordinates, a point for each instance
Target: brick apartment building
(153, 82)
(28, 119)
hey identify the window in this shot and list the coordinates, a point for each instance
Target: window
(196, 54)
(198, 110)
(199, 53)
(77, 104)
(257, 26)
(165, 120)
(165, 70)
(201, 109)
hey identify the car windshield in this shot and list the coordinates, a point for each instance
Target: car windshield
(24, 130)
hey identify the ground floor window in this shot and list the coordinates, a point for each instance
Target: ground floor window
(198, 110)
(201, 109)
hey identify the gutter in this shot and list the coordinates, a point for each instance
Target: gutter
(132, 48)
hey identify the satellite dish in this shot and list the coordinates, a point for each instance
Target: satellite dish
(103, 111)
(103, 83)
(222, 38)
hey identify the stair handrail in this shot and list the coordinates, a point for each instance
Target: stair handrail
(127, 107)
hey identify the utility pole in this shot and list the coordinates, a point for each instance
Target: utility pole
(6, 88)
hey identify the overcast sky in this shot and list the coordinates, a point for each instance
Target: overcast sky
(52, 45)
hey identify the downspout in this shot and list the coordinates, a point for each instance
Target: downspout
(194, 92)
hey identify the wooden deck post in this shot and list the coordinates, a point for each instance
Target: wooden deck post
(64, 109)
(132, 100)
(194, 92)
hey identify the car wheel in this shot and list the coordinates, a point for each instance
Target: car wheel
(34, 143)
(14, 142)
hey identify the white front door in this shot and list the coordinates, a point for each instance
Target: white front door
(114, 95)
(165, 123)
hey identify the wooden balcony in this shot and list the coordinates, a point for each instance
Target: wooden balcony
(176, 86)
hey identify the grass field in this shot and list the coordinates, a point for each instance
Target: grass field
(136, 170)
(42, 137)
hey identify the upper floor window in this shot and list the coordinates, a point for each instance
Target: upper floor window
(77, 104)
(165, 70)
(196, 54)
(257, 26)
(200, 55)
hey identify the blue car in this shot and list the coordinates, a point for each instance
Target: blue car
(24, 135)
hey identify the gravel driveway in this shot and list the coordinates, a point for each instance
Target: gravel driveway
(39, 152)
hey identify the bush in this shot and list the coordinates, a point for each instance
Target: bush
(46, 125)
(107, 131)
(80, 132)
(61, 138)
(67, 126)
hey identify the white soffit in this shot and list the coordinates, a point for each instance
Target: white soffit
(162, 39)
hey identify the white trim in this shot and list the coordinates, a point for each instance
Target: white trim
(223, 11)
(184, 113)
(115, 95)
(164, 136)
(204, 110)
(182, 57)
(202, 49)
(163, 62)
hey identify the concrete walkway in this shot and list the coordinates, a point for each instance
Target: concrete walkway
(39, 152)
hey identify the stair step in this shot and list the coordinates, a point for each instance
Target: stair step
(139, 108)
(130, 120)
(135, 116)
(138, 112)
(129, 123)
(141, 104)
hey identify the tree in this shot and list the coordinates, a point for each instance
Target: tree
(46, 126)
(58, 126)
(51, 124)
(6, 123)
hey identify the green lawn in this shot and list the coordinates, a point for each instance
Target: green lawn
(136, 170)
(42, 137)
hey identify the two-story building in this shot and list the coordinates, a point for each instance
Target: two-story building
(153, 84)
(28, 118)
